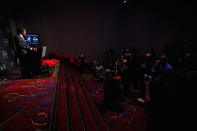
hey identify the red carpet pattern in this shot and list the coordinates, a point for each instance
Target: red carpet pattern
(75, 109)
(65, 102)
(132, 118)
(26, 104)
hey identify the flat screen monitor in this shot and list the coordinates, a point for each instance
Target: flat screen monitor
(32, 39)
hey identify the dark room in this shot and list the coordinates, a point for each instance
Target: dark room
(100, 65)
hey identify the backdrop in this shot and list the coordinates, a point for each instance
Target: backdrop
(93, 28)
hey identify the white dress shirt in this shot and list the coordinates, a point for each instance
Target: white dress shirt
(22, 36)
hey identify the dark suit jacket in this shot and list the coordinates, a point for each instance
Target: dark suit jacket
(22, 47)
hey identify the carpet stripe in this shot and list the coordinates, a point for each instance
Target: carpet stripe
(101, 124)
(79, 102)
(67, 100)
(90, 123)
(76, 118)
(61, 113)
(53, 114)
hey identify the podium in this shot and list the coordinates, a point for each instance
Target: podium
(35, 60)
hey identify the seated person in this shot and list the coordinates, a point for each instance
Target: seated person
(165, 66)
(156, 67)
(100, 72)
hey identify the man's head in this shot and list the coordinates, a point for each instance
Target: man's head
(21, 30)
(163, 60)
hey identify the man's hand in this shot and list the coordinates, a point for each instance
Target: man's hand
(35, 49)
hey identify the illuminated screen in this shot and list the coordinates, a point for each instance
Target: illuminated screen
(32, 39)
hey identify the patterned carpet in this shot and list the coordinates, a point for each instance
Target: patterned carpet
(26, 104)
(133, 118)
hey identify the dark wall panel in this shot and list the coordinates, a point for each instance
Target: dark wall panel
(7, 51)
(94, 28)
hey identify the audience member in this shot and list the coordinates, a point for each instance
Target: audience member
(82, 63)
(165, 66)
(112, 93)
(168, 102)
(159, 86)
(99, 71)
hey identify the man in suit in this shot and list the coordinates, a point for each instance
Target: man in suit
(22, 51)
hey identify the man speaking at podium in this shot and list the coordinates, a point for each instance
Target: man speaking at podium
(22, 52)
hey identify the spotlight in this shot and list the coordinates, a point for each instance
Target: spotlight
(124, 1)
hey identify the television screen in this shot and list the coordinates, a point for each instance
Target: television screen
(32, 39)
